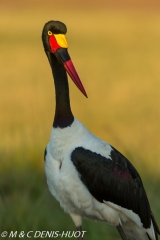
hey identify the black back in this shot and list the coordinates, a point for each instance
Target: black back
(114, 180)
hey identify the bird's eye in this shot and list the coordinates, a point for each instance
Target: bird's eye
(49, 33)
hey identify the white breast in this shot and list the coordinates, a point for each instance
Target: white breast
(63, 180)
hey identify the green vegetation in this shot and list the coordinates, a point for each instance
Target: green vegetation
(116, 53)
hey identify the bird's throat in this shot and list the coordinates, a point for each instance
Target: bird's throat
(63, 114)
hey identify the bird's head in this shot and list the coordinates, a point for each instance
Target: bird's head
(54, 42)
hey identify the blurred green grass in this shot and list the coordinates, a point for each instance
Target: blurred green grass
(117, 53)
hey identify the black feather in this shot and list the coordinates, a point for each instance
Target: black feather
(45, 153)
(115, 180)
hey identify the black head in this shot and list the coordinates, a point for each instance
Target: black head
(55, 46)
(55, 27)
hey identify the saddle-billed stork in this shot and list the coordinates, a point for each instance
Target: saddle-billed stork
(89, 177)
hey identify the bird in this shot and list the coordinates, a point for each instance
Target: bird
(88, 176)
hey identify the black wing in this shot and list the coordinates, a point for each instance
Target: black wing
(113, 180)
(45, 153)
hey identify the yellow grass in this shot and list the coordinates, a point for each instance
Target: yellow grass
(117, 55)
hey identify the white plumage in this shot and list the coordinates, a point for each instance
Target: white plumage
(65, 185)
